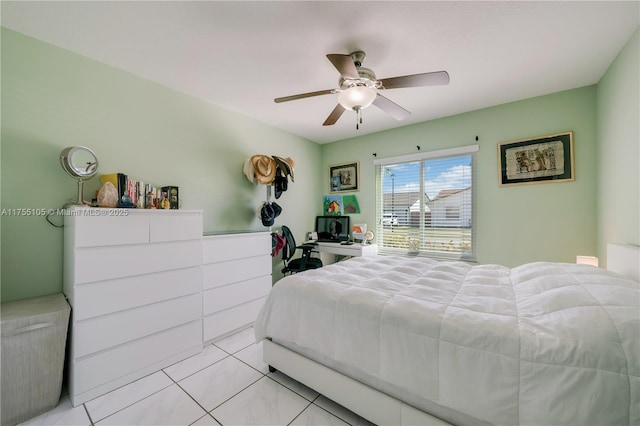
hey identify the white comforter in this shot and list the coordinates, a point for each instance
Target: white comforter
(543, 343)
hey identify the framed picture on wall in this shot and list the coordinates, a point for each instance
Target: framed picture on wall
(543, 159)
(344, 177)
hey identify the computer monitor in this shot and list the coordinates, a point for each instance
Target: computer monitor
(332, 228)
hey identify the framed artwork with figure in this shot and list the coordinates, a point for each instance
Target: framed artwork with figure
(543, 159)
(344, 177)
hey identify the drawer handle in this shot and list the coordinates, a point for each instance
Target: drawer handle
(27, 328)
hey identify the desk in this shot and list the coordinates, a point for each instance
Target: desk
(328, 251)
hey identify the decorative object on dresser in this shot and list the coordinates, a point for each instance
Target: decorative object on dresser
(170, 193)
(108, 196)
(134, 193)
(134, 279)
(80, 163)
(237, 280)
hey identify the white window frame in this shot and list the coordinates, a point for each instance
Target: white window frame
(421, 156)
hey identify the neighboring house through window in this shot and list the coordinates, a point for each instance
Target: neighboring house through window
(425, 204)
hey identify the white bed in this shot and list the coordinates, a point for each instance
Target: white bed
(413, 341)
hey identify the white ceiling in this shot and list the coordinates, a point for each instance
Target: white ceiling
(242, 55)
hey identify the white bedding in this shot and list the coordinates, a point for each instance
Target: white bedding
(543, 343)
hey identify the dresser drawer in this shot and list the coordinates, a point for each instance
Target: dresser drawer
(105, 297)
(104, 263)
(232, 295)
(172, 226)
(104, 367)
(220, 248)
(103, 332)
(223, 323)
(219, 274)
(108, 230)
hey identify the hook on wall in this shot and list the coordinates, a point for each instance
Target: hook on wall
(375, 154)
(477, 138)
(418, 146)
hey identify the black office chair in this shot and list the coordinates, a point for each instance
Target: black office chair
(303, 263)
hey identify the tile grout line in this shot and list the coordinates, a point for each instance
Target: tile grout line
(262, 376)
(207, 413)
(86, 410)
(210, 412)
(132, 404)
(129, 405)
(300, 413)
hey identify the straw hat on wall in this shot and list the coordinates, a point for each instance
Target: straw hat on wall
(264, 168)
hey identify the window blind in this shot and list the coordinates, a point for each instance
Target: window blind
(425, 204)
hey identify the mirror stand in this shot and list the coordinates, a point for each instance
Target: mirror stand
(78, 202)
(80, 163)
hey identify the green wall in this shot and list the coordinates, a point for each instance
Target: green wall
(537, 222)
(52, 98)
(619, 150)
(518, 224)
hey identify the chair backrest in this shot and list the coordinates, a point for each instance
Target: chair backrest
(289, 248)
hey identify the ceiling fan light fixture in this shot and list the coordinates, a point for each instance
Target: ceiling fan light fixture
(358, 88)
(357, 97)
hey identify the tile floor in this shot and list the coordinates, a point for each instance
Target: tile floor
(226, 384)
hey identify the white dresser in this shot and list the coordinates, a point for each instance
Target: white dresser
(134, 281)
(237, 279)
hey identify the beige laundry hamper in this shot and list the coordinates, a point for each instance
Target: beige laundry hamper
(34, 334)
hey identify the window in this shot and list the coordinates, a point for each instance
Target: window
(425, 204)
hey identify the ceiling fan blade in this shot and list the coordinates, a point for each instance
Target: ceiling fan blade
(416, 80)
(344, 64)
(304, 95)
(333, 117)
(391, 108)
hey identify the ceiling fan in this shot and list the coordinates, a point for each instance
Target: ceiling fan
(358, 88)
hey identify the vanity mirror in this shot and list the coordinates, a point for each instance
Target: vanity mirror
(80, 163)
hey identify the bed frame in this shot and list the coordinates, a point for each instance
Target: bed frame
(624, 259)
(379, 407)
(363, 400)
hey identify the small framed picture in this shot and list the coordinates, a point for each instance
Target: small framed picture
(542, 159)
(344, 177)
